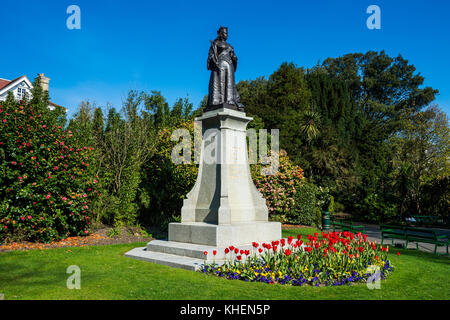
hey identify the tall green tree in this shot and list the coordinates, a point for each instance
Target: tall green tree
(421, 153)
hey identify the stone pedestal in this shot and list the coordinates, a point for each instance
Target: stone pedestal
(224, 207)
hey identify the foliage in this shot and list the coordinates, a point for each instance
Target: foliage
(420, 156)
(279, 189)
(382, 89)
(435, 198)
(374, 209)
(280, 102)
(337, 259)
(46, 182)
(165, 183)
(304, 212)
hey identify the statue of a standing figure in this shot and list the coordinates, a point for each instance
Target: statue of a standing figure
(222, 62)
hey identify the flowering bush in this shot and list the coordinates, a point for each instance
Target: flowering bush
(46, 185)
(279, 189)
(339, 258)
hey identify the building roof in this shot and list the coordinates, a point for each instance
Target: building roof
(55, 105)
(4, 83)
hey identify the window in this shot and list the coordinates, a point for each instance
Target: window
(20, 93)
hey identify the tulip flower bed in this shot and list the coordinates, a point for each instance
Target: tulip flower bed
(339, 258)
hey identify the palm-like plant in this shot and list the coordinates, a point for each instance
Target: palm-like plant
(309, 125)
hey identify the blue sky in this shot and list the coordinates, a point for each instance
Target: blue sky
(162, 45)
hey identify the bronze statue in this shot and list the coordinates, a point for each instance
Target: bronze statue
(222, 62)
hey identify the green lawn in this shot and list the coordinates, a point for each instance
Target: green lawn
(107, 274)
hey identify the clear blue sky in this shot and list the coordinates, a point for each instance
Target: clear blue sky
(162, 45)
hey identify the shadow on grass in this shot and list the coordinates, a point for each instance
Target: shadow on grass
(430, 257)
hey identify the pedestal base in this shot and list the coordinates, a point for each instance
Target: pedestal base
(236, 234)
(223, 105)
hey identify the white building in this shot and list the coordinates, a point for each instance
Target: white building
(22, 85)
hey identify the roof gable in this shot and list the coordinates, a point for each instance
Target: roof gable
(6, 86)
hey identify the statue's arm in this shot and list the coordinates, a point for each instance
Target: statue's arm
(233, 58)
(210, 63)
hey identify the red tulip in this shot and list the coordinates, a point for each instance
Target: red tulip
(205, 253)
(214, 252)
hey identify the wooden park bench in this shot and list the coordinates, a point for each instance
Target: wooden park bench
(425, 236)
(392, 232)
(347, 226)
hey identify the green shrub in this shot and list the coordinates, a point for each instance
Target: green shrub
(374, 208)
(435, 198)
(305, 212)
(331, 205)
(338, 207)
(46, 184)
(165, 184)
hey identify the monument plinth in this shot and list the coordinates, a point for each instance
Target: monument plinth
(224, 207)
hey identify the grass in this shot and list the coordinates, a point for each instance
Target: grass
(107, 274)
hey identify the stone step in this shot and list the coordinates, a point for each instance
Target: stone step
(190, 250)
(170, 260)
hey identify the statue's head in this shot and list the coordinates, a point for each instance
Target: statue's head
(222, 33)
